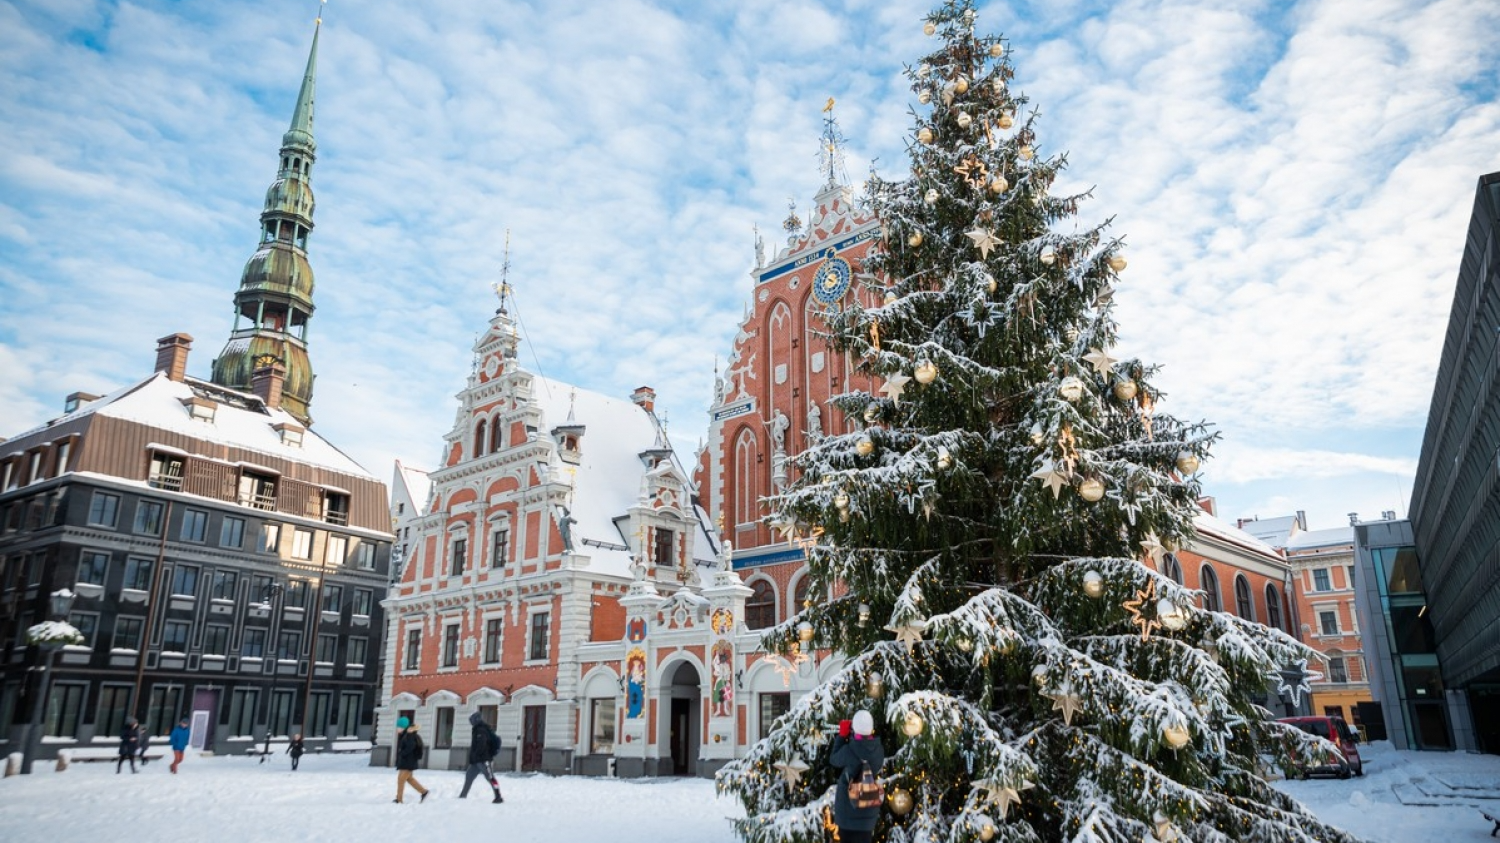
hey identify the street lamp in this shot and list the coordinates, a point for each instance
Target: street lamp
(49, 637)
(271, 603)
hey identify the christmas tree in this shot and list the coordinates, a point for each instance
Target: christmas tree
(987, 530)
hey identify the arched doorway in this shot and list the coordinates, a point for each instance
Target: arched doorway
(684, 712)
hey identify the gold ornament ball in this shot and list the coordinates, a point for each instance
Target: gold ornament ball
(999, 185)
(944, 459)
(924, 97)
(1071, 388)
(999, 83)
(965, 644)
(931, 196)
(915, 239)
(1177, 736)
(924, 70)
(1170, 614)
(1187, 462)
(925, 135)
(969, 16)
(964, 120)
(986, 831)
(993, 285)
(1039, 675)
(875, 687)
(1036, 434)
(872, 413)
(841, 502)
(901, 802)
(1125, 390)
(913, 724)
(960, 85)
(805, 632)
(996, 51)
(1118, 263)
(1048, 255)
(865, 446)
(890, 297)
(1006, 121)
(929, 28)
(1093, 584)
(1026, 152)
(1091, 490)
(926, 372)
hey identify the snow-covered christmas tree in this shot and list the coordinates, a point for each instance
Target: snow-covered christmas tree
(988, 531)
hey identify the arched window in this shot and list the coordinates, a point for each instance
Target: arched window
(1172, 568)
(479, 438)
(760, 609)
(495, 430)
(1273, 607)
(1209, 582)
(1242, 605)
(799, 594)
(745, 492)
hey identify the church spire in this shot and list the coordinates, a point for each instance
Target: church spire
(274, 304)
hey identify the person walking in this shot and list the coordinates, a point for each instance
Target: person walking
(143, 740)
(179, 740)
(856, 751)
(129, 740)
(484, 744)
(409, 751)
(295, 749)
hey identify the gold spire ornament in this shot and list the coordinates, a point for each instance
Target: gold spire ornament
(1142, 598)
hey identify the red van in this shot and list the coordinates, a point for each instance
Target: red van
(1337, 731)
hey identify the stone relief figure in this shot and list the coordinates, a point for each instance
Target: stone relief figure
(565, 526)
(814, 420)
(779, 424)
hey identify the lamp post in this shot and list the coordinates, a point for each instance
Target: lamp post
(272, 603)
(49, 637)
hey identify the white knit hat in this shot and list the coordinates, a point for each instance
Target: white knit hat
(864, 724)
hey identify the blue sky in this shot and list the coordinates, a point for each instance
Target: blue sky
(1293, 181)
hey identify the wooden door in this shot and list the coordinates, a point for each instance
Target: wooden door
(533, 736)
(681, 724)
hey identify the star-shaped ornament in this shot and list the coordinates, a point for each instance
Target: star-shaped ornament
(909, 634)
(894, 386)
(1105, 296)
(1064, 700)
(974, 172)
(984, 240)
(1100, 360)
(1153, 548)
(1143, 598)
(788, 530)
(1051, 477)
(792, 770)
(1162, 826)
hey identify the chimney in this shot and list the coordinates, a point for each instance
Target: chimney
(1209, 505)
(1354, 519)
(1302, 519)
(78, 399)
(267, 379)
(172, 354)
(1388, 515)
(645, 397)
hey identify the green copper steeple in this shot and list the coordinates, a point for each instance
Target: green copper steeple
(274, 302)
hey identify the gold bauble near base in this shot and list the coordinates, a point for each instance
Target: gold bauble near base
(901, 802)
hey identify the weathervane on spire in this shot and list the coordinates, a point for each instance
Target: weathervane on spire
(502, 289)
(832, 151)
(319, 21)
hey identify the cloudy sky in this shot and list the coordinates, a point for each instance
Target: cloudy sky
(1293, 181)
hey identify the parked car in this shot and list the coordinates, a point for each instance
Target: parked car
(1335, 730)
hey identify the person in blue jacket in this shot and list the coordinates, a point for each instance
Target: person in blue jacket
(855, 748)
(179, 740)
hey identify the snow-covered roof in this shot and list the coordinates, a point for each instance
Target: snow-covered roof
(412, 483)
(1210, 525)
(240, 420)
(1272, 531)
(1322, 538)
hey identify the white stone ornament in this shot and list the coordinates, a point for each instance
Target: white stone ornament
(894, 386)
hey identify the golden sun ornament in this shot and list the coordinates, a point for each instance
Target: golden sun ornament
(1142, 599)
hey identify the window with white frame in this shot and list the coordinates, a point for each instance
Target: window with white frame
(450, 645)
(93, 567)
(494, 630)
(1328, 623)
(538, 644)
(104, 509)
(302, 542)
(413, 649)
(1321, 580)
(337, 550)
(194, 526)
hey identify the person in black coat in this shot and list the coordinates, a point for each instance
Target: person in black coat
(855, 748)
(295, 749)
(409, 751)
(130, 742)
(482, 746)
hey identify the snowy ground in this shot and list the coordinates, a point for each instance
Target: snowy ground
(1403, 798)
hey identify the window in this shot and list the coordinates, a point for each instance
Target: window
(1242, 605)
(166, 472)
(64, 704)
(333, 598)
(602, 726)
(148, 518)
(1336, 670)
(260, 589)
(1321, 580)
(216, 640)
(258, 491)
(364, 556)
(490, 714)
(772, 706)
(1328, 622)
(444, 728)
(799, 595)
(456, 563)
(336, 508)
(64, 450)
(174, 636)
(296, 594)
(93, 567)
(289, 645)
(665, 542)
(270, 538)
(104, 509)
(319, 706)
(36, 467)
(194, 525)
(128, 633)
(1172, 567)
(224, 583)
(86, 623)
(185, 580)
(450, 645)
(480, 438)
(1209, 582)
(760, 609)
(355, 654)
(114, 702)
(413, 649)
(242, 704)
(254, 644)
(281, 711)
(364, 600)
(539, 643)
(337, 551)
(493, 629)
(328, 648)
(164, 709)
(1349, 576)
(232, 532)
(500, 547)
(302, 542)
(1273, 607)
(137, 573)
(350, 708)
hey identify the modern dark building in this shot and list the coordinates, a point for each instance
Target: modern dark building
(228, 562)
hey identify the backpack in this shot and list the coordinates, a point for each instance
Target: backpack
(866, 792)
(494, 743)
